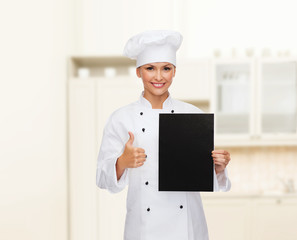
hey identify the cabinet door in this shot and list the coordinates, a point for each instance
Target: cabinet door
(278, 90)
(112, 94)
(82, 155)
(233, 100)
(95, 213)
(227, 218)
(275, 219)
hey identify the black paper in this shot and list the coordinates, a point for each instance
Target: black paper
(185, 146)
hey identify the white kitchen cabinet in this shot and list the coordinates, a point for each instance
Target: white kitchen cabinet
(274, 218)
(94, 212)
(277, 108)
(254, 101)
(81, 158)
(250, 217)
(227, 218)
(232, 97)
(97, 86)
(111, 208)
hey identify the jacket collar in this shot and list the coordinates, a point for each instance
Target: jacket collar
(167, 104)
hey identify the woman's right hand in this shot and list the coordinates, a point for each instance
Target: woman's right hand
(132, 157)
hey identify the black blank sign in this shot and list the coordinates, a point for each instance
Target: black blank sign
(185, 145)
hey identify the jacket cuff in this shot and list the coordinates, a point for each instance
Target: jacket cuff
(221, 181)
(108, 176)
(118, 185)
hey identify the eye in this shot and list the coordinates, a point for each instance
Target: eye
(167, 68)
(149, 68)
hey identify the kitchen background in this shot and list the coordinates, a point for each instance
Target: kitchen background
(62, 74)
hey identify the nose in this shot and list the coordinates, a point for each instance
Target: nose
(158, 76)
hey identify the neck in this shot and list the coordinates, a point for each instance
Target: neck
(155, 100)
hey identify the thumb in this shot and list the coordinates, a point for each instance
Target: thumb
(131, 139)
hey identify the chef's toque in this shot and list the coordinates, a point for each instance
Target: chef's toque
(153, 46)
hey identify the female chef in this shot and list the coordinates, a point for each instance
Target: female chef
(129, 149)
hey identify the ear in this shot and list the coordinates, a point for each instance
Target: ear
(174, 71)
(138, 72)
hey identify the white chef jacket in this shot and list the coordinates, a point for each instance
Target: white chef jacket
(151, 215)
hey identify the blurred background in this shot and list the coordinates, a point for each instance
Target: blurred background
(62, 74)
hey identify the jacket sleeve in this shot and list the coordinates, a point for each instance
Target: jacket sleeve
(221, 181)
(112, 146)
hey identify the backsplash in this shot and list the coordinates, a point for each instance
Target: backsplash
(263, 169)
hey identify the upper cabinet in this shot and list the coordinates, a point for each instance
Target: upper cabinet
(277, 90)
(254, 101)
(233, 101)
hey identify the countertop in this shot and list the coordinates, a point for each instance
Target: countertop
(207, 195)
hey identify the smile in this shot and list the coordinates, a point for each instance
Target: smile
(158, 85)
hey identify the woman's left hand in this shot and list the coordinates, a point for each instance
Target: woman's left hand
(221, 159)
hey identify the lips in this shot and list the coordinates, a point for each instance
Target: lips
(158, 85)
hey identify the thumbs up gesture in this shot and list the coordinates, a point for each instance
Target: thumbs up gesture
(132, 157)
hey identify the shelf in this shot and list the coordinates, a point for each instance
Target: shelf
(101, 66)
(210, 195)
(279, 83)
(254, 143)
(102, 60)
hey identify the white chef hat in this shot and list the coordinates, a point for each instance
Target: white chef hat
(153, 46)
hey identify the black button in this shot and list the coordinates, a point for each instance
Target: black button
(145, 156)
(146, 183)
(143, 129)
(148, 209)
(141, 113)
(181, 206)
(172, 111)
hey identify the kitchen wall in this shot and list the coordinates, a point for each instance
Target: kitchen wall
(230, 26)
(35, 41)
(263, 169)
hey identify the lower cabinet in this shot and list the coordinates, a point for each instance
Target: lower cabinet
(227, 218)
(275, 218)
(251, 217)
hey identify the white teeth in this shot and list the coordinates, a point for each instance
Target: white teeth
(158, 84)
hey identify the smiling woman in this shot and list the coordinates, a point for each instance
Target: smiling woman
(129, 150)
(157, 78)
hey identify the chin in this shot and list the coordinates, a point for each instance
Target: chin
(159, 92)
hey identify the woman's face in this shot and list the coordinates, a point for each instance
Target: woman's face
(157, 77)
